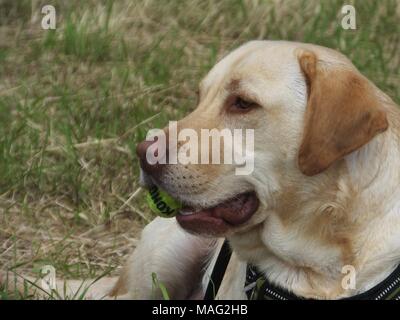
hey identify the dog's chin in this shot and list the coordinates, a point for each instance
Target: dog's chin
(221, 219)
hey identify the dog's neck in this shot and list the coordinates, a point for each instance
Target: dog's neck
(312, 245)
(375, 176)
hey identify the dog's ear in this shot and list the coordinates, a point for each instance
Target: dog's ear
(342, 114)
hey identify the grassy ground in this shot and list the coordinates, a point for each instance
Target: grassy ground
(76, 100)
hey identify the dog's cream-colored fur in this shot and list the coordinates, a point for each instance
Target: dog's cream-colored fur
(309, 226)
(318, 212)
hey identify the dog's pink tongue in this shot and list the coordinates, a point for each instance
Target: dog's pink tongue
(219, 219)
(237, 210)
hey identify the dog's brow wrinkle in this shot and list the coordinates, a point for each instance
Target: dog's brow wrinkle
(233, 85)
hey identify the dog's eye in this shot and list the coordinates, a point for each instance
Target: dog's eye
(242, 105)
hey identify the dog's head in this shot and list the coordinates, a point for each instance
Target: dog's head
(309, 108)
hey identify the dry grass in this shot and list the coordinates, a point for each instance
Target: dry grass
(75, 101)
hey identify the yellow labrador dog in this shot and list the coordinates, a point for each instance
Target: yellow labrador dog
(322, 201)
(324, 196)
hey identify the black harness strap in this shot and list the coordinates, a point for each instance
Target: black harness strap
(218, 272)
(257, 286)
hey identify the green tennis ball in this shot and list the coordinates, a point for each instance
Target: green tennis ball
(161, 203)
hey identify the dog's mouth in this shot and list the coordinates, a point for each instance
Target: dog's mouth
(221, 218)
